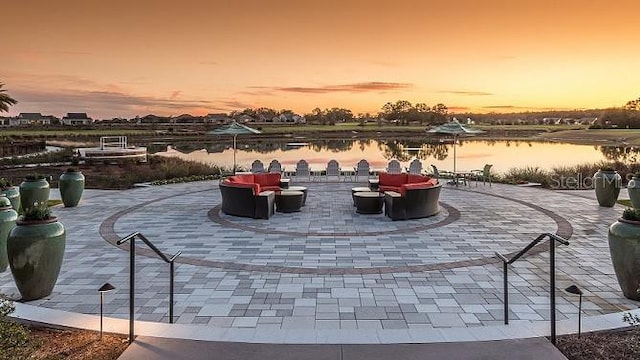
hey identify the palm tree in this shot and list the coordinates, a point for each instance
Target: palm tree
(5, 100)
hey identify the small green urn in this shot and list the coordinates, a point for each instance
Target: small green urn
(13, 194)
(624, 246)
(35, 250)
(8, 218)
(633, 187)
(71, 186)
(34, 189)
(607, 183)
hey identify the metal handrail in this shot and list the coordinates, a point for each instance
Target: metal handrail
(552, 274)
(132, 274)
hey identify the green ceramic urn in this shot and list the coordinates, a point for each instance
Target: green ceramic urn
(624, 245)
(34, 189)
(633, 187)
(8, 218)
(71, 186)
(13, 194)
(35, 250)
(607, 183)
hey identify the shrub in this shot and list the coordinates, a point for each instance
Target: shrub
(40, 211)
(34, 177)
(631, 214)
(12, 334)
(527, 174)
(5, 183)
(185, 179)
(49, 157)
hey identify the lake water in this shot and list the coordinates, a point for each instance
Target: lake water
(471, 154)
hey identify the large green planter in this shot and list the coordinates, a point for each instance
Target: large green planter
(8, 218)
(71, 186)
(624, 245)
(35, 250)
(34, 191)
(607, 184)
(13, 194)
(633, 187)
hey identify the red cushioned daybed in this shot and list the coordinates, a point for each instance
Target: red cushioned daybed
(250, 195)
(409, 196)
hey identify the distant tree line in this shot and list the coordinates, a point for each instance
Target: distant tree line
(402, 112)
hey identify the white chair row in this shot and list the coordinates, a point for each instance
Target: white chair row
(333, 169)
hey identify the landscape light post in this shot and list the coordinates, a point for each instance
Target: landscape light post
(576, 291)
(103, 289)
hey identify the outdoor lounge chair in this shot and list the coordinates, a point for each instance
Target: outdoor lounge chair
(333, 169)
(362, 169)
(484, 174)
(303, 170)
(415, 167)
(257, 167)
(394, 167)
(275, 167)
(441, 174)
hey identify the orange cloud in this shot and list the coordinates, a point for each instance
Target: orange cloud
(354, 88)
(468, 93)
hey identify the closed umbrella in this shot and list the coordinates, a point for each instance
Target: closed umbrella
(456, 129)
(234, 129)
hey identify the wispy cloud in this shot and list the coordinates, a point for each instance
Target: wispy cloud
(104, 103)
(501, 107)
(513, 107)
(467, 93)
(352, 88)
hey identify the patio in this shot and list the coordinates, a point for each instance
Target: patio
(328, 268)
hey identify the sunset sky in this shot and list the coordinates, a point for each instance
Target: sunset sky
(126, 58)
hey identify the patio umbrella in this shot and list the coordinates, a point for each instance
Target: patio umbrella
(234, 129)
(456, 129)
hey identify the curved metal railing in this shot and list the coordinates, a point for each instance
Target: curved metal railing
(131, 238)
(553, 238)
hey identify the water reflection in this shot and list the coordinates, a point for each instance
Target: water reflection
(625, 154)
(471, 153)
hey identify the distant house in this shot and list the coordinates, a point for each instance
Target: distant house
(76, 119)
(187, 119)
(30, 119)
(220, 118)
(552, 121)
(289, 118)
(152, 119)
(587, 121)
(4, 121)
(245, 119)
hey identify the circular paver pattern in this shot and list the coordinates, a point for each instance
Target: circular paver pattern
(328, 237)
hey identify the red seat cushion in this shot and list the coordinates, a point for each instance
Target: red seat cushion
(245, 178)
(392, 179)
(412, 179)
(267, 179)
(254, 186)
(422, 185)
